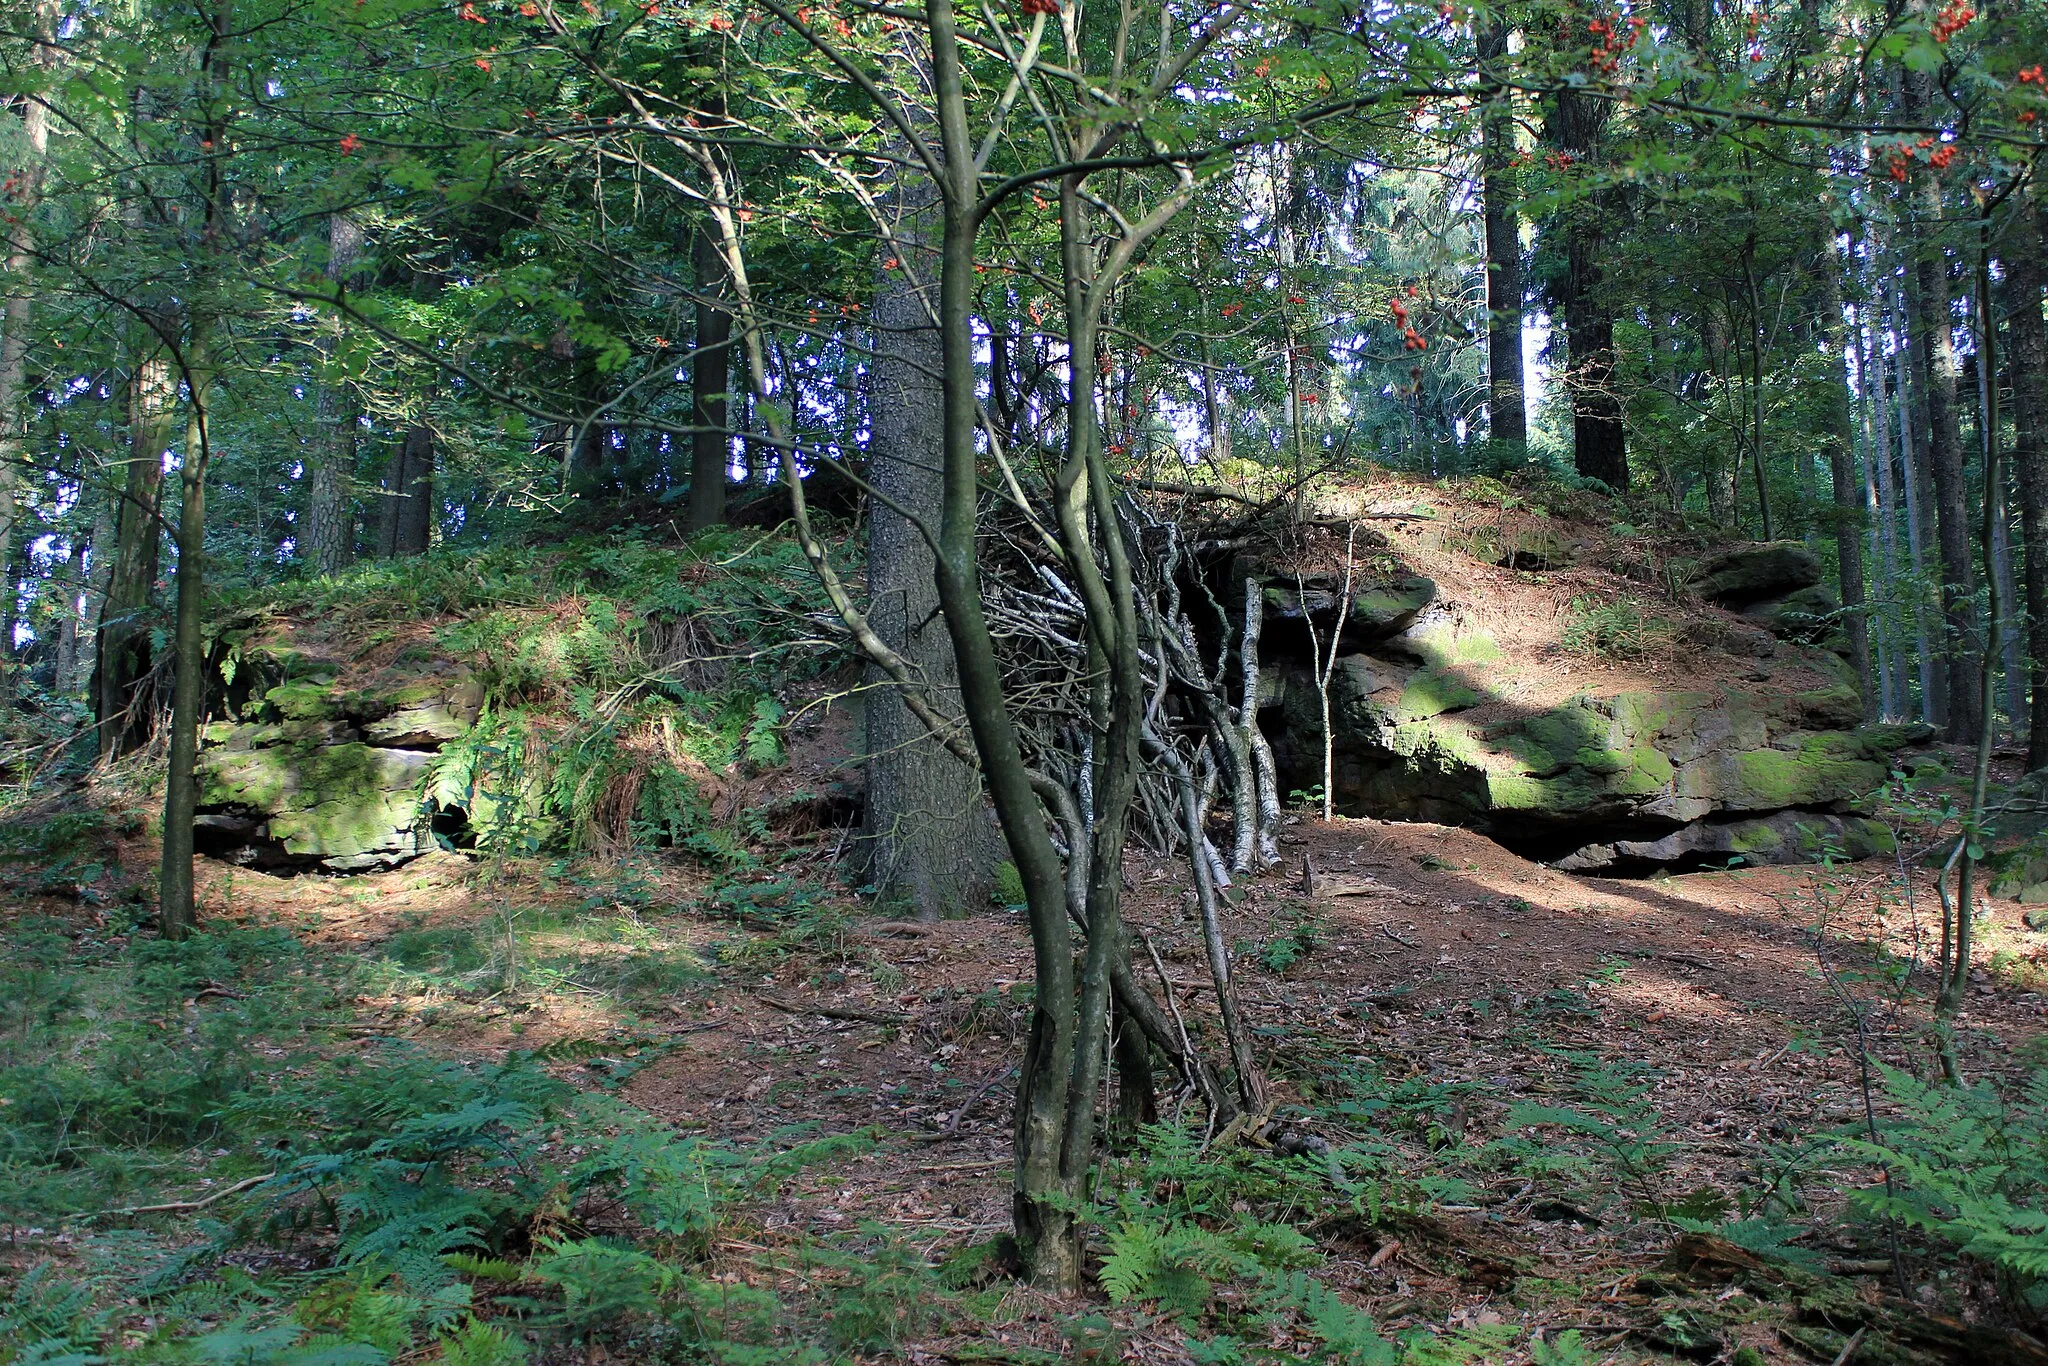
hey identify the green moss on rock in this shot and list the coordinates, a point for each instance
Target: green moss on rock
(1432, 693)
(341, 802)
(310, 700)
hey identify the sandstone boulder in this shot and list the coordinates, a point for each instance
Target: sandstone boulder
(1748, 574)
(317, 775)
(1417, 737)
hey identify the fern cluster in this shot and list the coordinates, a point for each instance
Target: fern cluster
(1968, 1168)
(1220, 1240)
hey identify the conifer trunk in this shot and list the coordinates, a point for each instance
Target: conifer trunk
(2028, 361)
(1884, 494)
(1599, 438)
(330, 471)
(1935, 357)
(17, 319)
(1505, 413)
(1920, 536)
(1847, 487)
(927, 843)
(122, 653)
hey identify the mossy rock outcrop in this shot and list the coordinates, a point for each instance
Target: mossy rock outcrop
(317, 774)
(1785, 837)
(1381, 604)
(2020, 873)
(1629, 777)
(345, 806)
(1742, 575)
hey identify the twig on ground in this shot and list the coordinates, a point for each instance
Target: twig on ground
(982, 1165)
(182, 1206)
(880, 1017)
(960, 1112)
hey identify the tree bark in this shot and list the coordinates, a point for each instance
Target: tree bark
(405, 516)
(710, 443)
(330, 472)
(177, 912)
(710, 367)
(1723, 473)
(1847, 487)
(415, 511)
(1599, 435)
(122, 652)
(1920, 533)
(70, 585)
(1877, 401)
(2025, 276)
(1505, 414)
(927, 842)
(17, 319)
(1935, 355)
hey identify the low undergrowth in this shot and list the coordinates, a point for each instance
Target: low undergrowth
(216, 1151)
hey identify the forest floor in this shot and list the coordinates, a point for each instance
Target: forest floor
(1409, 991)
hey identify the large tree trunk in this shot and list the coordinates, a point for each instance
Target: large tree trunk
(927, 842)
(406, 517)
(1505, 415)
(710, 371)
(122, 652)
(1724, 464)
(2025, 276)
(1935, 356)
(330, 474)
(70, 585)
(415, 511)
(99, 569)
(1599, 436)
(1920, 534)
